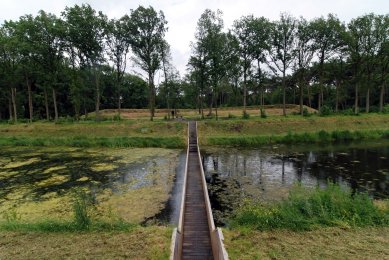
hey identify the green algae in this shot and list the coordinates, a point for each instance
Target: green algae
(38, 182)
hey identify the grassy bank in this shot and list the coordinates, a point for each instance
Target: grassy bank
(323, 243)
(86, 141)
(139, 243)
(293, 129)
(134, 133)
(309, 209)
(299, 138)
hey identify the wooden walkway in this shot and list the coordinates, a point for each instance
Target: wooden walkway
(196, 235)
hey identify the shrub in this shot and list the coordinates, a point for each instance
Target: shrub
(325, 111)
(246, 115)
(306, 112)
(231, 116)
(263, 113)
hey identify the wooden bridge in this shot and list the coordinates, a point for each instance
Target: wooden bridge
(196, 236)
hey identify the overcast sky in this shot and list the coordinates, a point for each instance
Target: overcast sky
(182, 15)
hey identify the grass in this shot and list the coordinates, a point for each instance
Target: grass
(129, 133)
(137, 243)
(306, 210)
(293, 129)
(299, 138)
(87, 141)
(323, 243)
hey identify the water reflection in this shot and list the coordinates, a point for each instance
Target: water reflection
(268, 174)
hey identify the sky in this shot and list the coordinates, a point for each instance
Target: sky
(182, 15)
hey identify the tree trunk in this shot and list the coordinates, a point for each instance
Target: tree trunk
(244, 92)
(337, 96)
(284, 94)
(119, 106)
(309, 96)
(10, 107)
(30, 107)
(382, 94)
(201, 106)
(368, 100)
(216, 110)
(55, 106)
(13, 95)
(46, 105)
(356, 99)
(97, 107)
(210, 105)
(301, 99)
(151, 96)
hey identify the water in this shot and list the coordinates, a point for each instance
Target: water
(33, 177)
(268, 174)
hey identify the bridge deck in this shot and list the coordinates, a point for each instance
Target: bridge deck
(196, 232)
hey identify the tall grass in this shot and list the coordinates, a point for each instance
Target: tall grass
(304, 210)
(85, 141)
(298, 138)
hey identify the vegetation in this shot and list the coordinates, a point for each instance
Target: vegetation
(292, 129)
(305, 210)
(137, 243)
(322, 243)
(71, 65)
(90, 134)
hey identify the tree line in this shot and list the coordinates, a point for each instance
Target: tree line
(321, 62)
(69, 65)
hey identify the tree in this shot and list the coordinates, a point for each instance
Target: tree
(242, 31)
(304, 53)
(118, 43)
(382, 56)
(148, 30)
(86, 31)
(260, 43)
(327, 36)
(281, 52)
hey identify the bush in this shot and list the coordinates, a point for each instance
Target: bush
(231, 116)
(325, 111)
(306, 112)
(385, 109)
(263, 113)
(348, 112)
(246, 115)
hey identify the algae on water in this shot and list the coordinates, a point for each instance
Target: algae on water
(130, 184)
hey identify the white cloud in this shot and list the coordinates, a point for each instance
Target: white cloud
(182, 15)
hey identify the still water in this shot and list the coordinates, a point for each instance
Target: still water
(268, 174)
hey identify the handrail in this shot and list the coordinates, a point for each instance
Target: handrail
(218, 249)
(177, 236)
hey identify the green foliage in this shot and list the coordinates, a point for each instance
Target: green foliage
(81, 206)
(304, 210)
(263, 113)
(231, 116)
(245, 115)
(326, 111)
(385, 109)
(306, 112)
